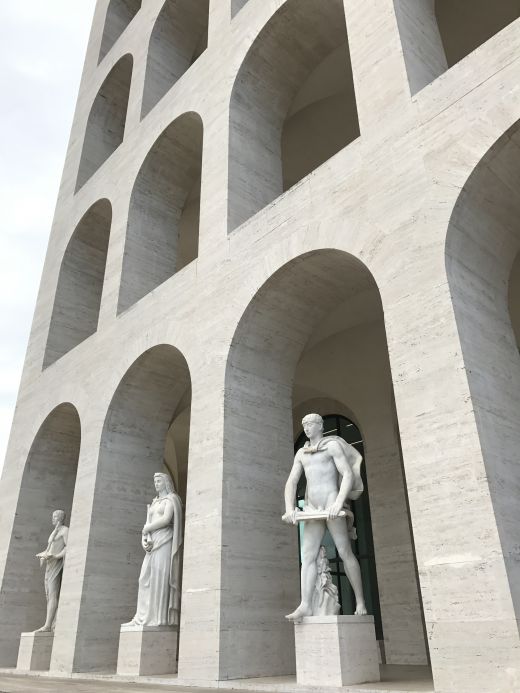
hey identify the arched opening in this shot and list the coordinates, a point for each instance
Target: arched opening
(436, 34)
(106, 121)
(179, 37)
(466, 24)
(163, 222)
(145, 431)
(47, 485)
(482, 250)
(514, 299)
(80, 283)
(119, 15)
(292, 106)
(313, 337)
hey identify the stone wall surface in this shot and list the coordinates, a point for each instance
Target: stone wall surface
(421, 211)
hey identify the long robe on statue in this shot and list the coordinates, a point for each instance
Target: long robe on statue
(158, 600)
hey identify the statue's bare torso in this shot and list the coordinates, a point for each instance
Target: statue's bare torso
(322, 477)
(328, 468)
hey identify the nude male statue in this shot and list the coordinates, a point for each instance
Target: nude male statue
(331, 468)
(52, 558)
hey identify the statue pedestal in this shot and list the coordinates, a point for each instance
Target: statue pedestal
(336, 650)
(35, 651)
(147, 650)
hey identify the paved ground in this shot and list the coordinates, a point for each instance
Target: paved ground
(395, 679)
(18, 684)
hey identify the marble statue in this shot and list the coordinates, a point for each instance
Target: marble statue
(53, 558)
(158, 599)
(325, 600)
(332, 469)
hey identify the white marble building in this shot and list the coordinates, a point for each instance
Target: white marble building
(260, 217)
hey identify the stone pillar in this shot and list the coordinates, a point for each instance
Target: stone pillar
(422, 47)
(200, 627)
(470, 619)
(35, 651)
(75, 582)
(382, 92)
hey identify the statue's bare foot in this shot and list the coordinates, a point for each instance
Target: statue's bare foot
(361, 609)
(300, 613)
(43, 629)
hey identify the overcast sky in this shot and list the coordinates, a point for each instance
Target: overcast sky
(42, 47)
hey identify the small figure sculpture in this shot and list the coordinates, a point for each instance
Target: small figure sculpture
(53, 557)
(325, 597)
(332, 470)
(158, 599)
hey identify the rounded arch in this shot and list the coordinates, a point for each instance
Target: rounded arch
(105, 126)
(47, 484)
(482, 242)
(80, 283)
(178, 39)
(150, 396)
(315, 325)
(436, 34)
(467, 24)
(119, 15)
(163, 221)
(292, 105)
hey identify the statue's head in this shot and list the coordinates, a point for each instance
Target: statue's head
(58, 517)
(312, 425)
(163, 482)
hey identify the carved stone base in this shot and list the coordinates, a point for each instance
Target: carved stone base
(147, 650)
(35, 651)
(336, 650)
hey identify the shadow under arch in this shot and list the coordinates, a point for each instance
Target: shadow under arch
(178, 39)
(162, 233)
(47, 484)
(304, 306)
(119, 15)
(145, 404)
(482, 243)
(106, 121)
(75, 312)
(292, 104)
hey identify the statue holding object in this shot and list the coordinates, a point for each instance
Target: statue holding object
(52, 558)
(158, 599)
(332, 469)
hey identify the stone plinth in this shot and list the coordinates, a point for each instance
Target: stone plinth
(35, 651)
(336, 650)
(147, 650)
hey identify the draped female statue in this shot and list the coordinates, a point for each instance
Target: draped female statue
(158, 600)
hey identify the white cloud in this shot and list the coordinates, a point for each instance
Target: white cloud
(42, 48)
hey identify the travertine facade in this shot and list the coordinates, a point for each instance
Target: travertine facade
(257, 219)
